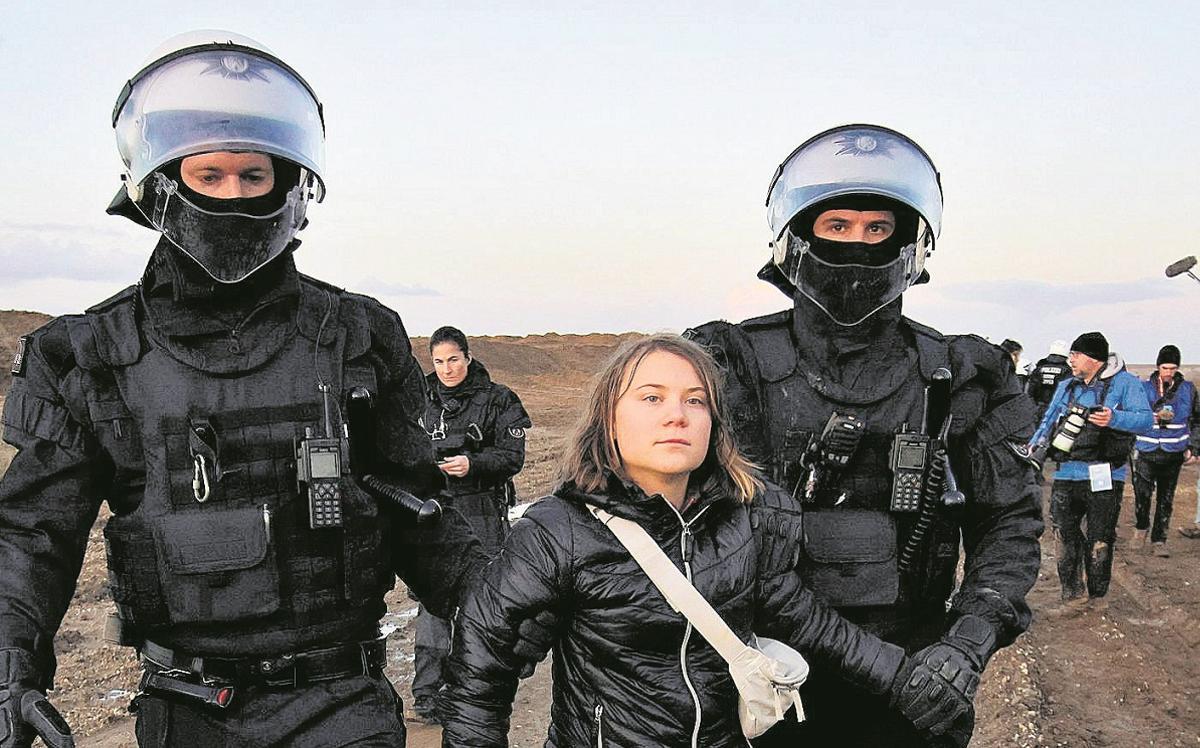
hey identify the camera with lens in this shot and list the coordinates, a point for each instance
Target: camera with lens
(1068, 430)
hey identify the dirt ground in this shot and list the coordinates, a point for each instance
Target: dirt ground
(1124, 676)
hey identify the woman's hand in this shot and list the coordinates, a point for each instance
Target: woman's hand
(456, 467)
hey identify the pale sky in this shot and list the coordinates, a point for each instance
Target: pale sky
(516, 168)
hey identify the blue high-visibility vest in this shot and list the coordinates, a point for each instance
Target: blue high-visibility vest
(1174, 435)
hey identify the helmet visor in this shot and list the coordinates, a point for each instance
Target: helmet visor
(855, 159)
(219, 100)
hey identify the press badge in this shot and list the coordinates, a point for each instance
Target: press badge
(1100, 476)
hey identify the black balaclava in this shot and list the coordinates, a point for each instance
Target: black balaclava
(858, 253)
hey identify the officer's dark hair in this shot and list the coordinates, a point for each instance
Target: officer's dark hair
(448, 334)
(592, 452)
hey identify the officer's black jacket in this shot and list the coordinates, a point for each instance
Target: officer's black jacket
(881, 367)
(486, 422)
(1044, 378)
(481, 419)
(625, 664)
(51, 494)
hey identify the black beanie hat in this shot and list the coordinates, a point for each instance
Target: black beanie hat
(1168, 354)
(1091, 344)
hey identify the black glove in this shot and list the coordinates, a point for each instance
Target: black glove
(535, 637)
(25, 712)
(936, 687)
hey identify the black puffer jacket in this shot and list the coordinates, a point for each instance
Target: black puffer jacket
(628, 670)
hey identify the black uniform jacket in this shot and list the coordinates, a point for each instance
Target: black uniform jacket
(481, 419)
(786, 372)
(51, 493)
(628, 670)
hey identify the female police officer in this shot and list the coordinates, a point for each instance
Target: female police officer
(477, 427)
(205, 404)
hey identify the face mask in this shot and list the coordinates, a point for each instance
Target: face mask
(229, 238)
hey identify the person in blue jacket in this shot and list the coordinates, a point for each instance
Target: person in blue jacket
(1102, 407)
(1164, 450)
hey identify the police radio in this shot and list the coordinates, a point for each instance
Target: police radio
(912, 452)
(320, 464)
(909, 459)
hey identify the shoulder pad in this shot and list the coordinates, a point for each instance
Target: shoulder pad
(728, 346)
(708, 333)
(107, 334)
(322, 302)
(977, 357)
(380, 324)
(53, 342)
(125, 295)
(775, 319)
(933, 352)
(774, 350)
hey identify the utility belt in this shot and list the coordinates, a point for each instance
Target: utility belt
(216, 680)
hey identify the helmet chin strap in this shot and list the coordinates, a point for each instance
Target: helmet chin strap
(133, 189)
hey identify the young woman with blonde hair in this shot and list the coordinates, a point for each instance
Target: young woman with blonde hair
(652, 447)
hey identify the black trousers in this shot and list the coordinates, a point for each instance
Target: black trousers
(1083, 551)
(1155, 470)
(362, 711)
(488, 517)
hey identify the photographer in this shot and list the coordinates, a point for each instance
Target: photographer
(1089, 428)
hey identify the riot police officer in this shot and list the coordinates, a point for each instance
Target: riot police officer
(207, 404)
(869, 417)
(477, 427)
(1046, 375)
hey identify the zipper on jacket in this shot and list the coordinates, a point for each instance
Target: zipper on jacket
(685, 551)
(599, 726)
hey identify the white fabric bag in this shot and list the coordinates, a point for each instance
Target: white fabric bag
(767, 673)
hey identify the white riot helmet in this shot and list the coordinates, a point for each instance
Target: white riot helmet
(207, 91)
(863, 167)
(1058, 348)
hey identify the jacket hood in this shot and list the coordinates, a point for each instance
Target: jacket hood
(1114, 366)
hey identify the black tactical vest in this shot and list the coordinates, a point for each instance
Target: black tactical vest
(851, 539)
(239, 572)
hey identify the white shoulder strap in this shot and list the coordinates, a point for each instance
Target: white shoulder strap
(673, 585)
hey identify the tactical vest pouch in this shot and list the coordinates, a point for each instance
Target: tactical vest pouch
(217, 566)
(852, 557)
